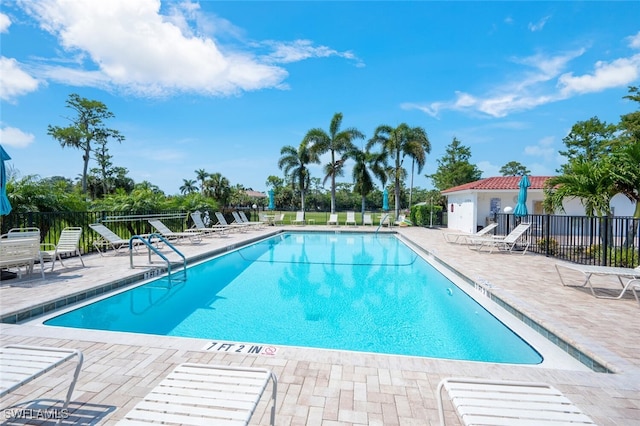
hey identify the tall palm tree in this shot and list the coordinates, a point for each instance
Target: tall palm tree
(367, 164)
(398, 143)
(337, 142)
(188, 186)
(202, 176)
(293, 162)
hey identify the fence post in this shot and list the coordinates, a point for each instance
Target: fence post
(547, 233)
(605, 240)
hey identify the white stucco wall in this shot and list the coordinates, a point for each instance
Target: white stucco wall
(462, 218)
(619, 203)
(472, 209)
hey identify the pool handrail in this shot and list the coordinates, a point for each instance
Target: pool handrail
(149, 243)
(382, 221)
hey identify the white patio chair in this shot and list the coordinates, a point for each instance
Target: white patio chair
(589, 271)
(21, 364)
(199, 225)
(333, 219)
(193, 235)
(367, 219)
(351, 219)
(299, 220)
(109, 239)
(245, 219)
(496, 402)
(455, 237)
(222, 221)
(507, 243)
(21, 253)
(202, 394)
(68, 244)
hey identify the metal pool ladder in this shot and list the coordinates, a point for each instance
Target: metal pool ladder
(382, 222)
(149, 243)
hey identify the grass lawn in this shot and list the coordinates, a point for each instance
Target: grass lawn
(320, 218)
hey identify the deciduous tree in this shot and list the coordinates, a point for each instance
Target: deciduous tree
(454, 168)
(87, 127)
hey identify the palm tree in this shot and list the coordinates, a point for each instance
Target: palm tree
(338, 143)
(219, 188)
(294, 164)
(403, 141)
(367, 163)
(202, 176)
(188, 186)
(589, 181)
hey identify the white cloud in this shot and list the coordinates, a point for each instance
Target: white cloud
(137, 49)
(618, 73)
(298, 50)
(634, 41)
(532, 88)
(11, 136)
(13, 80)
(544, 149)
(539, 25)
(5, 23)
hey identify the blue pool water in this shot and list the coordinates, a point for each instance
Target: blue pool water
(350, 291)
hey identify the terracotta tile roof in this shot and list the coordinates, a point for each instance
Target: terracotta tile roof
(497, 183)
(255, 194)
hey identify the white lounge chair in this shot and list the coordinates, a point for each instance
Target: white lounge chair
(199, 225)
(456, 237)
(279, 219)
(193, 235)
(68, 244)
(635, 288)
(367, 219)
(590, 270)
(261, 223)
(507, 243)
(21, 252)
(333, 219)
(109, 239)
(239, 220)
(222, 221)
(351, 218)
(29, 232)
(21, 364)
(201, 394)
(299, 220)
(496, 402)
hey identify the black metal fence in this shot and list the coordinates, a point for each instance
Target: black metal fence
(124, 224)
(607, 241)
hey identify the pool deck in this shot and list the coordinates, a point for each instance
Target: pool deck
(324, 387)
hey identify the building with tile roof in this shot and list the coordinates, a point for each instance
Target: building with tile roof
(472, 205)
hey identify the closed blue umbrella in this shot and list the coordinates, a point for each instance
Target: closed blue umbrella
(5, 205)
(521, 207)
(385, 200)
(272, 202)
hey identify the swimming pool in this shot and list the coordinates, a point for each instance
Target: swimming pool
(349, 291)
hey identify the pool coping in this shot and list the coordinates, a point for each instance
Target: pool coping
(30, 313)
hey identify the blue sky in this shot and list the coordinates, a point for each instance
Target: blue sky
(222, 86)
